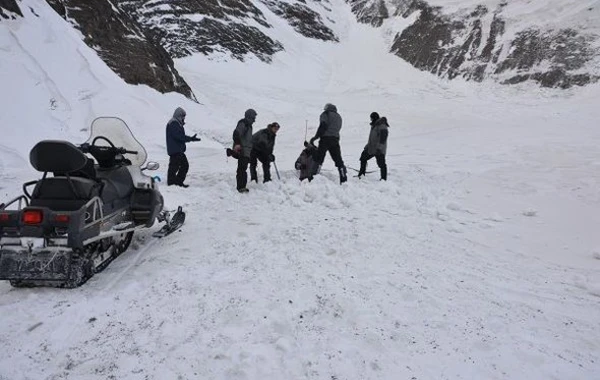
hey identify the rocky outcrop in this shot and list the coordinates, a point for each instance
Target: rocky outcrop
(233, 27)
(122, 44)
(185, 27)
(9, 9)
(473, 44)
(370, 12)
(303, 19)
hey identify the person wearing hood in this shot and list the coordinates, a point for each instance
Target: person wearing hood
(263, 143)
(376, 146)
(176, 140)
(330, 123)
(242, 147)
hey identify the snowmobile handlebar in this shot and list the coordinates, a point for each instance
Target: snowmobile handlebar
(107, 156)
(125, 151)
(87, 148)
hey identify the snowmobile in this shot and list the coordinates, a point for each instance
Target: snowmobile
(73, 223)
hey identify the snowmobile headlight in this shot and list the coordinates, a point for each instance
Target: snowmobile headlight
(33, 216)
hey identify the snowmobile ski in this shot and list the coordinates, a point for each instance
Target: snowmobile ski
(172, 225)
(356, 170)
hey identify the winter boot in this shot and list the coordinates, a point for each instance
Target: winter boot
(363, 169)
(243, 190)
(343, 176)
(384, 172)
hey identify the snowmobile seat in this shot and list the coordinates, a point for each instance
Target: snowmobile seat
(64, 193)
(57, 156)
(88, 171)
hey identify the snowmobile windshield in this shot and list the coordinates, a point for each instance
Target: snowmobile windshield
(118, 133)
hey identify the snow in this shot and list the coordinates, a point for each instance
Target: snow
(477, 259)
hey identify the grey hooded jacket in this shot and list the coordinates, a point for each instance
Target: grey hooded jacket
(330, 123)
(242, 135)
(378, 137)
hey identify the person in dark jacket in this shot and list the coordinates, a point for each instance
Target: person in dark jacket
(242, 147)
(305, 162)
(263, 143)
(376, 146)
(176, 140)
(330, 123)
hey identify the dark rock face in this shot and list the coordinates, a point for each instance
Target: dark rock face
(473, 45)
(10, 6)
(184, 27)
(567, 49)
(123, 45)
(369, 12)
(303, 19)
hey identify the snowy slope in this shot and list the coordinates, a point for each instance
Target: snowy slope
(479, 258)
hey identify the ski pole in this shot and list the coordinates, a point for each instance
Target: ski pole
(276, 171)
(306, 130)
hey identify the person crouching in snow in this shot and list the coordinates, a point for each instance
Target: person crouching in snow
(376, 146)
(263, 143)
(305, 162)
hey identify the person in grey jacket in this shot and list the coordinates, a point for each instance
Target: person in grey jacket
(376, 146)
(176, 140)
(242, 147)
(330, 123)
(263, 143)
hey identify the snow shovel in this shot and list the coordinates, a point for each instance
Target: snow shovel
(276, 171)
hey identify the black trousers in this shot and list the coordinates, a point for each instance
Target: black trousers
(178, 169)
(365, 156)
(241, 176)
(331, 145)
(256, 156)
(380, 158)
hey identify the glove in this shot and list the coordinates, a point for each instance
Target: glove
(195, 138)
(272, 158)
(85, 147)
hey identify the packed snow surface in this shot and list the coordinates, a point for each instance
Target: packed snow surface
(477, 259)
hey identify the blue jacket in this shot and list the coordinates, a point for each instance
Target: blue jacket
(176, 137)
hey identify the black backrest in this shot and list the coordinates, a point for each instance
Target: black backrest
(56, 156)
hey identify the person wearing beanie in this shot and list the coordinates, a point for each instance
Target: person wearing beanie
(376, 146)
(330, 123)
(263, 143)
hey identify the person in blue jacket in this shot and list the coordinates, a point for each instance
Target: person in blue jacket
(176, 140)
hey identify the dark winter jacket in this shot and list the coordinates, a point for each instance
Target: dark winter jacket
(263, 141)
(176, 137)
(242, 135)
(305, 161)
(330, 123)
(378, 137)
